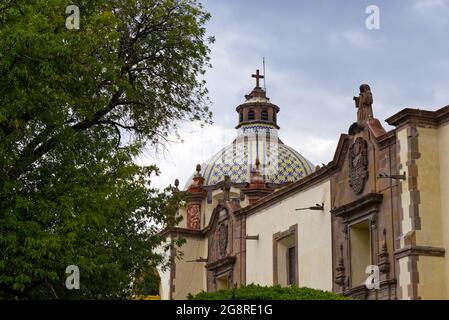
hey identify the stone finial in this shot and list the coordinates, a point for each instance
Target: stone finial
(257, 163)
(364, 103)
(198, 169)
(256, 189)
(176, 183)
(256, 179)
(197, 181)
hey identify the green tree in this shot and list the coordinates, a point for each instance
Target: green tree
(147, 284)
(76, 108)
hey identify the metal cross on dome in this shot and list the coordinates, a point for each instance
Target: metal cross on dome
(258, 76)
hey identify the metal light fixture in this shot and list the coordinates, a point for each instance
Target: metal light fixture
(256, 237)
(319, 207)
(393, 176)
(200, 259)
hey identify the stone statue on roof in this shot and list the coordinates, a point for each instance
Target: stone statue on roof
(364, 103)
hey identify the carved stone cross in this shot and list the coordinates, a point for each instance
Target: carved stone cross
(258, 76)
(226, 188)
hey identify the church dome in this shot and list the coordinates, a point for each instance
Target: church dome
(283, 165)
(257, 141)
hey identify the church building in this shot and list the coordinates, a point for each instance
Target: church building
(259, 212)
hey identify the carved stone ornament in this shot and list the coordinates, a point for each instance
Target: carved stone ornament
(358, 165)
(193, 216)
(223, 239)
(384, 261)
(340, 274)
(345, 229)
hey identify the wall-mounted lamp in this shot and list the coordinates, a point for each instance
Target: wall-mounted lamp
(256, 237)
(198, 260)
(317, 206)
(393, 176)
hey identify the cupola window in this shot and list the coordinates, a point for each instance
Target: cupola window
(251, 115)
(264, 115)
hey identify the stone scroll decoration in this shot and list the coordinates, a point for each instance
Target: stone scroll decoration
(193, 216)
(358, 165)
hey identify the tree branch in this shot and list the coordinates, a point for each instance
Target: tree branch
(121, 125)
(31, 154)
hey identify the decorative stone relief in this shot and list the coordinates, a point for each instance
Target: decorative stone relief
(358, 165)
(223, 239)
(193, 216)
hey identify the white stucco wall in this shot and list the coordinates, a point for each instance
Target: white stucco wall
(404, 277)
(164, 274)
(314, 238)
(190, 276)
(406, 223)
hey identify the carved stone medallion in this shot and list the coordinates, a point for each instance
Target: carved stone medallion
(358, 165)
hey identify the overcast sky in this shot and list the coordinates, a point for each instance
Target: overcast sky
(317, 54)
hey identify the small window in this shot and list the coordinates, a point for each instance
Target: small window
(251, 115)
(241, 116)
(360, 250)
(222, 282)
(264, 115)
(274, 116)
(291, 265)
(285, 257)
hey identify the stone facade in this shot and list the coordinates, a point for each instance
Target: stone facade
(379, 202)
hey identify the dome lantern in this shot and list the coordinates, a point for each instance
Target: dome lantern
(257, 108)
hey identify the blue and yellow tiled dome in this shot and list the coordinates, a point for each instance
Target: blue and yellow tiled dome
(279, 163)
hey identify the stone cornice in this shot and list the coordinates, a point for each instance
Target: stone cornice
(413, 250)
(362, 290)
(420, 117)
(257, 104)
(220, 263)
(254, 122)
(386, 139)
(191, 233)
(178, 231)
(370, 200)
